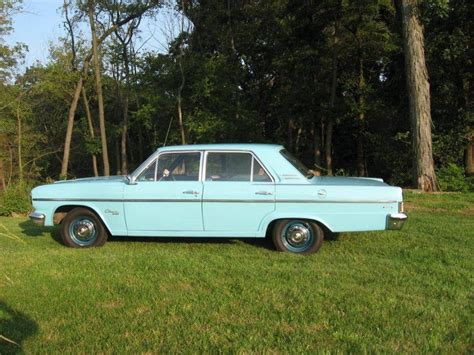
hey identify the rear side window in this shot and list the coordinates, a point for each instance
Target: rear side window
(259, 173)
(297, 164)
(228, 166)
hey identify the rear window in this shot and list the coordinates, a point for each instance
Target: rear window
(297, 164)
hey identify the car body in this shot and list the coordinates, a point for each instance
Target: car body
(221, 190)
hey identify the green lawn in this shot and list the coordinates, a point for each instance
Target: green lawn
(409, 291)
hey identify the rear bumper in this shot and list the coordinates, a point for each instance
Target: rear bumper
(395, 221)
(37, 218)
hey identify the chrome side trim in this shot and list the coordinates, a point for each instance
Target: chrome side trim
(118, 200)
(395, 221)
(335, 201)
(37, 218)
(205, 200)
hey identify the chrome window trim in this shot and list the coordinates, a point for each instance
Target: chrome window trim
(251, 169)
(254, 156)
(156, 155)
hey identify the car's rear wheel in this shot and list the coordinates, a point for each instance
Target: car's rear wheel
(81, 228)
(297, 236)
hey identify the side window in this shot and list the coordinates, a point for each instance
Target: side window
(149, 173)
(259, 174)
(178, 167)
(228, 166)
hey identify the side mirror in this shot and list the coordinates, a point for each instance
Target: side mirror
(131, 180)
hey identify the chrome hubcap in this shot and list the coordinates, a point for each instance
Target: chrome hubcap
(297, 236)
(83, 231)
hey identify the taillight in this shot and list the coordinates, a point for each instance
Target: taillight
(401, 208)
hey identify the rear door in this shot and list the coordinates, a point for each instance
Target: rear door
(238, 192)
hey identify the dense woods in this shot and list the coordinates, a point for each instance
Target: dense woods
(364, 88)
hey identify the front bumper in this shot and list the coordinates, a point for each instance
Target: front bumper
(37, 218)
(395, 221)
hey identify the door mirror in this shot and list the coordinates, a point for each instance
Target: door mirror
(131, 180)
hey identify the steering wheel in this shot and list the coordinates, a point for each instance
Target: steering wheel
(170, 177)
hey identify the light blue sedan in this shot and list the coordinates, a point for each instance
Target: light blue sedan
(218, 190)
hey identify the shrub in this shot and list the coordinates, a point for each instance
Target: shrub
(451, 178)
(15, 199)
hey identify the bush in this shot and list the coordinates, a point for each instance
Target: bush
(451, 178)
(15, 199)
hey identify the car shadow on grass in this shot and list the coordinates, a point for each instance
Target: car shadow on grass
(15, 328)
(255, 242)
(33, 230)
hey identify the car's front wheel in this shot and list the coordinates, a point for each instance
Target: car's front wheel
(297, 236)
(81, 228)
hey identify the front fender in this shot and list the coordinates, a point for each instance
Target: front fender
(111, 213)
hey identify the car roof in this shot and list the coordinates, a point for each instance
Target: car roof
(231, 146)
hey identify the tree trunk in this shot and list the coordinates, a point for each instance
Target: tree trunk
(332, 104)
(123, 140)
(469, 161)
(70, 126)
(125, 104)
(361, 122)
(469, 154)
(117, 157)
(317, 148)
(140, 144)
(419, 96)
(91, 128)
(20, 139)
(181, 86)
(2, 175)
(289, 136)
(2, 166)
(98, 84)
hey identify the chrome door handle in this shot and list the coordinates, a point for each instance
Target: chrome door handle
(266, 193)
(191, 192)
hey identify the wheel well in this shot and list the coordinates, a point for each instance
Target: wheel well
(272, 224)
(62, 211)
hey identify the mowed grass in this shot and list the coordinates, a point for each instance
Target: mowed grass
(408, 291)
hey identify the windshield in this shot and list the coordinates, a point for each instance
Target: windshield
(297, 164)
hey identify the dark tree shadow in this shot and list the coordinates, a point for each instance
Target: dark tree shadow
(15, 326)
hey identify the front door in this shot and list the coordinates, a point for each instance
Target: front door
(167, 195)
(238, 193)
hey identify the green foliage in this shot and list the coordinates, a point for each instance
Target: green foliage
(451, 178)
(253, 72)
(15, 199)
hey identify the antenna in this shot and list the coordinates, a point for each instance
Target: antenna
(168, 131)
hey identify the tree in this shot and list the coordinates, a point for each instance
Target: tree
(419, 96)
(128, 12)
(91, 11)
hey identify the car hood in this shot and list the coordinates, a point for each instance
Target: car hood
(347, 181)
(101, 179)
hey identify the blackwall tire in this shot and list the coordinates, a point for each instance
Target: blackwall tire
(297, 236)
(81, 228)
